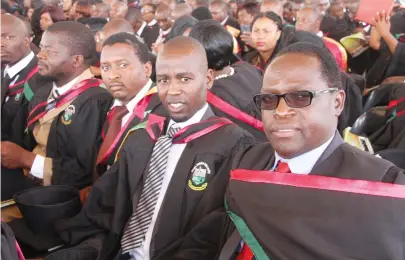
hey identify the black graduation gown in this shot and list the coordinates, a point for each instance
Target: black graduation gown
(73, 147)
(14, 111)
(353, 103)
(339, 160)
(150, 34)
(116, 193)
(154, 107)
(392, 134)
(238, 91)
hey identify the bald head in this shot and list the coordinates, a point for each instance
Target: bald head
(15, 39)
(309, 19)
(183, 77)
(111, 28)
(181, 10)
(119, 10)
(275, 6)
(101, 10)
(182, 46)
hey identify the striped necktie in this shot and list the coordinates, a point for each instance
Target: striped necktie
(142, 217)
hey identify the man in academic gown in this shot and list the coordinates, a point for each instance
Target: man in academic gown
(19, 78)
(165, 23)
(65, 117)
(189, 182)
(150, 30)
(304, 148)
(126, 70)
(305, 142)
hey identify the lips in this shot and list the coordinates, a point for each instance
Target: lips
(259, 44)
(284, 131)
(176, 106)
(116, 85)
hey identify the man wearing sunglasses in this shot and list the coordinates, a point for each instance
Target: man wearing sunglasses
(306, 194)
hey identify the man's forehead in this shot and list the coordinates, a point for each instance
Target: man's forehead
(292, 62)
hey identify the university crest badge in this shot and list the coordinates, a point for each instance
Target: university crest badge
(67, 115)
(198, 181)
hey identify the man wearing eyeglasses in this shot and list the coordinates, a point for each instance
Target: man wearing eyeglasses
(306, 194)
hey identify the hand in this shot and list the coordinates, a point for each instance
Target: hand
(382, 23)
(157, 47)
(246, 37)
(13, 156)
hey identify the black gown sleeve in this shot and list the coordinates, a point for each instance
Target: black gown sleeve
(73, 148)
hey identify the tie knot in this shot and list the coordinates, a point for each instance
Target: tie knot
(120, 112)
(283, 167)
(172, 131)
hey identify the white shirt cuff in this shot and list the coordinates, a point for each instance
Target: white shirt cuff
(37, 168)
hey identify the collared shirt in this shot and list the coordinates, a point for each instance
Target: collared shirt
(304, 163)
(320, 34)
(224, 21)
(131, 104)
(140, 31)
(19, 66)
(162, 35)
(37, 168)
(176, 151)
(152, 23)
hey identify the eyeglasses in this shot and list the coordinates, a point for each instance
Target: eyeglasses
(296, 99)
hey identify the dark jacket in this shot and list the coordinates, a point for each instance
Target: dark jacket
(115, 195)
(73, 147)
(150, 34)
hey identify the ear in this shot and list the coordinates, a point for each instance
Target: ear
(27, 41)
(210, 78)
(339, 102)
(278, 34)
(78, 61)
(148, 69)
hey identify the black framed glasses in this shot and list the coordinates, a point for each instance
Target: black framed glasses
(296, 99)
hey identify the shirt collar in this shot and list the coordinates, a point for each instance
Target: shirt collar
(139, 32)
(152, 23)
(161, 32)
(225, 20)
(304, 163)
(320, 34)
(193, 120)
(131, 104)
(58, 91)
(19, 66)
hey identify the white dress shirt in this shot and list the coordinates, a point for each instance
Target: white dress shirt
(37, 168)
(176, 151)
(304, 163)
(131, 104)
(152, 23)
(320, 34)
(162, 36)
(140, 31)
(224, 21)
(19, 66)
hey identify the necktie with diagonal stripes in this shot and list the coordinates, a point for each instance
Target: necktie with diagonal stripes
(142, 217)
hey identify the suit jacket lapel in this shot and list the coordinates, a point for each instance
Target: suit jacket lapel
(208, 114)
(325, 164)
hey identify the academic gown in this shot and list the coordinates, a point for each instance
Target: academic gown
(238, 91)
(154, 106)
(339, 160)
(150, 34)
(115, 195)
(14, 111)
(73, 145)
(392, 134)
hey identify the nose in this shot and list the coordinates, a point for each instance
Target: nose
(3, 44)
(283, 110)
(114, 74)
(174, 89)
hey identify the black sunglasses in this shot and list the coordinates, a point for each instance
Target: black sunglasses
(296, 99)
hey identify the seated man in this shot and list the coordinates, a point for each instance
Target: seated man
(65, 116)
(170, 174)
(301, 100)
(126, 70)
(19, 78)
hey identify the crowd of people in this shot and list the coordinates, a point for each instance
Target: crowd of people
(202, 129)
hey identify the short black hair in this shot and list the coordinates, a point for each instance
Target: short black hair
(202, 13)
(329, 68)
(251, 8)
(272, 16)
(140, 48)
(304, 36)
(96, 24)
(78, 38)
(180, 26)
(217, 42)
